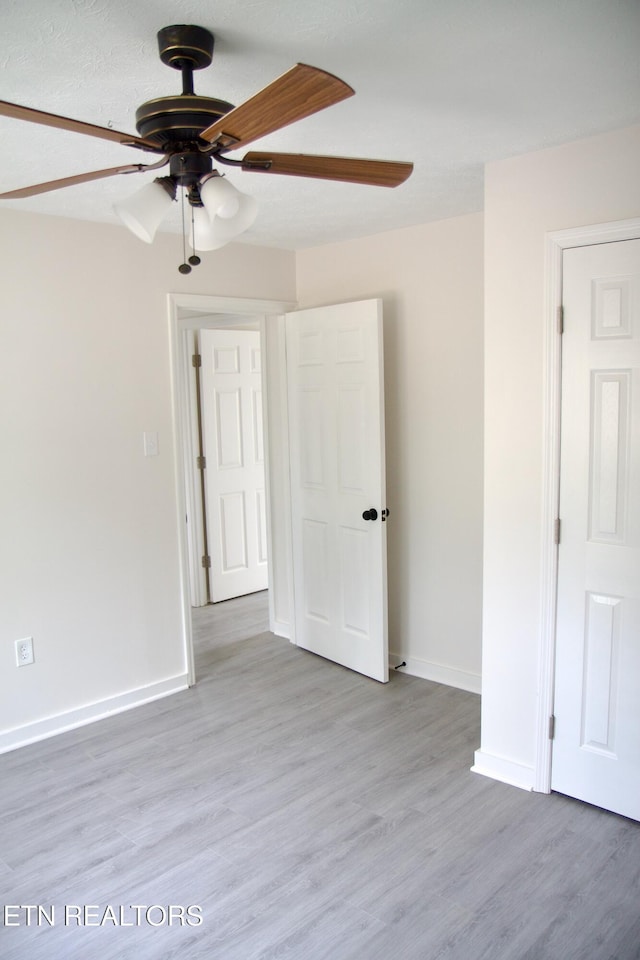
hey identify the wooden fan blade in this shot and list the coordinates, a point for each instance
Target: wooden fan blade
(301, 91)
(17, 112)
(378, 173)
(71, 181)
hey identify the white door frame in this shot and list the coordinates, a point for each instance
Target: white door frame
(188, 312)
(555, 244)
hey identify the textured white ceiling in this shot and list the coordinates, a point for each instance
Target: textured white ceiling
(448, 84)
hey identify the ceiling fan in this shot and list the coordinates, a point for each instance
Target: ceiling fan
(190, 132)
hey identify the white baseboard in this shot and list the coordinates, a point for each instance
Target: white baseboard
(437, 672)
(62, 722)
(281, 629)
(506, 771)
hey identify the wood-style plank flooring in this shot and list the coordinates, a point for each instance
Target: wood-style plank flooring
(312, 814)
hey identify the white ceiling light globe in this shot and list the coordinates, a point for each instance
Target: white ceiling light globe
(220, 198)
(144, 211)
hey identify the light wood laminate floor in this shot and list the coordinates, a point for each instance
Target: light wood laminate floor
(312, 814)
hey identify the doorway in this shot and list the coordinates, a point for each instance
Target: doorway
(189, 313)
(343, 346)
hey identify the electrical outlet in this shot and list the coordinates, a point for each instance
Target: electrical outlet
(24, 651)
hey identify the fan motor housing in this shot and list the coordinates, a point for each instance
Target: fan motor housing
(172, 121)
(179, 119)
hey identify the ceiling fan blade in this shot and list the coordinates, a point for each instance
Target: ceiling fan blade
(71, 181)
(17, 112)
(378, 173)
(298, 93)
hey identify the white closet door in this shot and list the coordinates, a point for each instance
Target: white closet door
(596, 751)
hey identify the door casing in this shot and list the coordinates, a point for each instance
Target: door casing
(555, 244)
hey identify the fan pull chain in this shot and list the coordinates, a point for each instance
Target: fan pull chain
(184, 267)
(194, 258)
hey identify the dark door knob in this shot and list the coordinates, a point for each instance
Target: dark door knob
(371, 514)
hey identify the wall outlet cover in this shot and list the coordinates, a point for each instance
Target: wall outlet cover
(24, 651)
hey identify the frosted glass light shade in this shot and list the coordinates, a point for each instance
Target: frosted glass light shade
(144, 211)
(212, 233)
(229, 227)
(203, 236)
(220, 198)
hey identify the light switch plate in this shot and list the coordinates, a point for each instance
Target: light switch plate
(150, 439)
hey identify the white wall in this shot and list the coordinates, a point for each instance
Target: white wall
(88, 553)
(430, 280)
(585, 182)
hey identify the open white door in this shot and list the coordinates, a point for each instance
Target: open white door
(336, 439)
(596, 750)
(234, 448)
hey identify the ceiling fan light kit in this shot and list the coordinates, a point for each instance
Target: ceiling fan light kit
(204, 237)
(144, 211)
(219, 197)
(191, 132)
(231, 227)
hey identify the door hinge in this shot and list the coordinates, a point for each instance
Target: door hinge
(552, 727)
(561, 319)
(201, 463)
(206, 562)
(557, 526)
(196, 360)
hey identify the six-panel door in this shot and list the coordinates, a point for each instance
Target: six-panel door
(336, 438)
(596, 751)
(235, 481)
